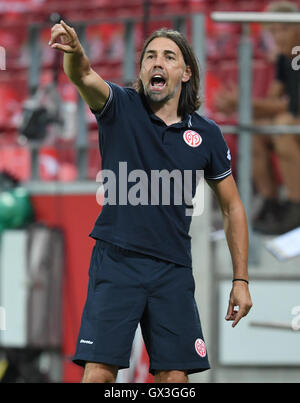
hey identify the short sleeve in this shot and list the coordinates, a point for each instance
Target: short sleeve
(117, 96)
(220, 159)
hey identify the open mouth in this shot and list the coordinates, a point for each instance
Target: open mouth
(157, 82)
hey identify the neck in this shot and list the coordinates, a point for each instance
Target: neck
(166, 111)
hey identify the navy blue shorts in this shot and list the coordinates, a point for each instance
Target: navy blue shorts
(127, 288)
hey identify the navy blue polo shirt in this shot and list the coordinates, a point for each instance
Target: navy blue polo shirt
(136, 146)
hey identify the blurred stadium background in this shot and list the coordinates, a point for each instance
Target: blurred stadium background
(49, 160)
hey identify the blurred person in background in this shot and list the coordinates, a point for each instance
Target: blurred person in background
(280, 107)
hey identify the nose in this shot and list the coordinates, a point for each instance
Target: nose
(158, 62)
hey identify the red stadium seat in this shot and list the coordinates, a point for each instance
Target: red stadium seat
(15, 160)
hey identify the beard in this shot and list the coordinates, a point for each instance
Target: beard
(158, 98)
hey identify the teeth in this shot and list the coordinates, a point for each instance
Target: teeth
(160, 83)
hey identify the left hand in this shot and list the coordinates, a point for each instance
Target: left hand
(239, 296)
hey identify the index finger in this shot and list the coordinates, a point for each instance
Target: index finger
(70, 30)
(56, 33)
(240, 314)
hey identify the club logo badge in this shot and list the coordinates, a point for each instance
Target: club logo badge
(200, 347)
(193, 139)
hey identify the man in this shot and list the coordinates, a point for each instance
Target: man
(141, 269)
(280, 107)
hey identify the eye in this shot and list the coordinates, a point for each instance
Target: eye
(169, 57)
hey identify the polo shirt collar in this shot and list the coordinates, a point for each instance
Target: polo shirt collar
(186, 122)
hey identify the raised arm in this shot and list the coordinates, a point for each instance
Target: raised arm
(90, 85)
(236, 230)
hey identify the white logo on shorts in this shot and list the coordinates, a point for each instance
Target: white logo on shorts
(86, 341)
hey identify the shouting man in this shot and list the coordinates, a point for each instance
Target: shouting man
(141, 266)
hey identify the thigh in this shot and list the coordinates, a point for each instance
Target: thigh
(114, 306)
(263, 141)
(171, 324)
(286, 139)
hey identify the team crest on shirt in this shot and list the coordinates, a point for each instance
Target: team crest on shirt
(200, 347)
(193, 139)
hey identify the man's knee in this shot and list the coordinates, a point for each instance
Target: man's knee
(171, 377)
(99, 373)
(284, 119)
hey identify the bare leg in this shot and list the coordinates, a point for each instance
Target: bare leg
(262, 170)
(264, 179)
(173, 376)
(99, 373)
(287, 147)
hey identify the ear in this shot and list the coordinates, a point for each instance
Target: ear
(186, 74)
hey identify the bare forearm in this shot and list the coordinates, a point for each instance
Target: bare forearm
(267, 107)
(90, 85)
(76, 66)
(236, 230)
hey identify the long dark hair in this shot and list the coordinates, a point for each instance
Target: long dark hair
(189, 100)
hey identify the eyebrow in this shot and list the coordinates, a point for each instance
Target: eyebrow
(167, 51)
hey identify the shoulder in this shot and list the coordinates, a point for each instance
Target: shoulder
(120, 100)
(201, 122)
(119, 90)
